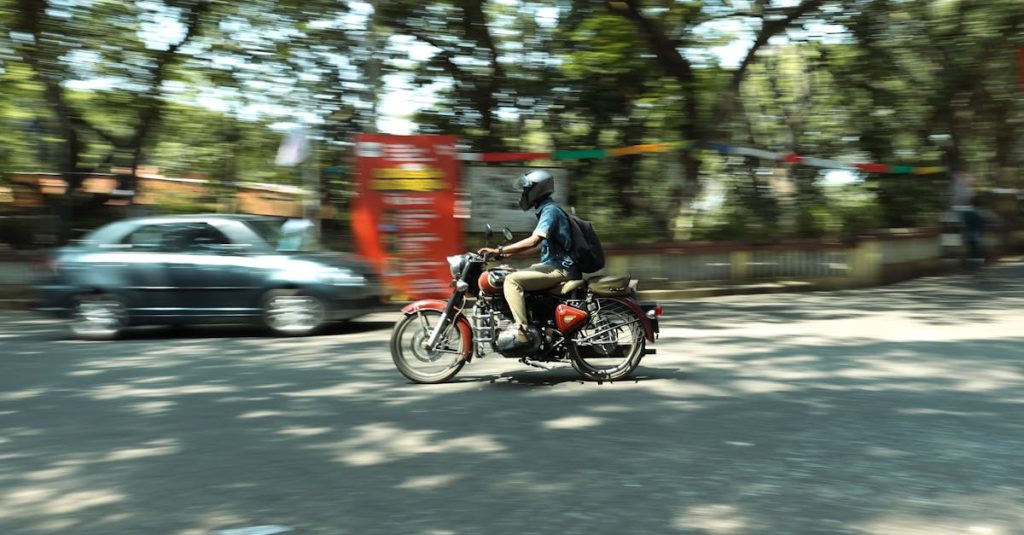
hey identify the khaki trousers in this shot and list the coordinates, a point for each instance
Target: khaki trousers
(537, 277)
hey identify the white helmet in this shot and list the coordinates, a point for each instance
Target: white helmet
(536, 185)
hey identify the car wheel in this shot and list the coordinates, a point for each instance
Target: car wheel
(292, 312)
(98, 317)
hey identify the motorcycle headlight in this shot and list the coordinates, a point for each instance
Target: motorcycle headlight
(455, 265)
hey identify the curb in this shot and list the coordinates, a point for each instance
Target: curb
(15, 297)
(732, 289)
(16, 304)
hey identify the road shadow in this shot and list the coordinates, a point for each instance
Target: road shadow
(762, 434)
(561, 374)
(56, 330)
(217, 434)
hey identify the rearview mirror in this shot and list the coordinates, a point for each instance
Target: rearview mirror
(508, 234)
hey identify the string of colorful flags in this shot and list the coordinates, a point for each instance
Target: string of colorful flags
(790, 158)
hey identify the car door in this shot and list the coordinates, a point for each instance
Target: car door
(211, 275)
(136, 265)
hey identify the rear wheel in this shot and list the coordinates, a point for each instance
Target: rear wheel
(414, 360)
(292, 312)
(98, 317)
(611, 345)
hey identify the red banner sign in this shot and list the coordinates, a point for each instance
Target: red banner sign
(404, 215)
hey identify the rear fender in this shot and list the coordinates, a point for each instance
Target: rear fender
(461, 323)
(635, 307)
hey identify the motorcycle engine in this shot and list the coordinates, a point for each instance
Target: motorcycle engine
(506, 343)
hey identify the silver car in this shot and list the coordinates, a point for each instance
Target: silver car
(205, 269)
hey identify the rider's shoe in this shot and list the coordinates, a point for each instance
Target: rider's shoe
(514, 339)
(519, 334)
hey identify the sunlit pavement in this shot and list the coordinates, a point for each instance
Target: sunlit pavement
(896, 410)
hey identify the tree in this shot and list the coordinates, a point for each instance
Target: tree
(673, 31)
(466, 53)
(57, 36)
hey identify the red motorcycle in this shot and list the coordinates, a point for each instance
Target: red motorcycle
(597, 325)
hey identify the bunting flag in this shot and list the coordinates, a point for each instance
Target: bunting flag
(721, 148)
(1020, 67)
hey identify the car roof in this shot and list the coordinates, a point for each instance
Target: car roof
(117, 229)
(183, 218)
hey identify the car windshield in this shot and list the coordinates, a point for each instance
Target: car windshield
(292, 235)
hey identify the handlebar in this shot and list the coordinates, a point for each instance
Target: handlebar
(486, 257)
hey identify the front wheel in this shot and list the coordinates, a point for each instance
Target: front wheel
(611, 345)
(408, 348)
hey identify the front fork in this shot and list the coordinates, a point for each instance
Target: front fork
(442, 323)
(447, 318)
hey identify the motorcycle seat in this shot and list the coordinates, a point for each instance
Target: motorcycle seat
(564, 288)
(610, 285)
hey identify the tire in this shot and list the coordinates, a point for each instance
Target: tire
(611, 345)
(292, 312)
(413, 361)
(99, 316)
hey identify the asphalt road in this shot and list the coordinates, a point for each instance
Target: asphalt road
(896, 410)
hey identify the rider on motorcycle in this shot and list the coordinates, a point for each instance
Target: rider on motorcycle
(552, 237)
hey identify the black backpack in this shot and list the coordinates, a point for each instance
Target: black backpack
(586, 252)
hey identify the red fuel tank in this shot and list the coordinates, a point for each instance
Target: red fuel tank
(493, 281)
(485, 284)
(569, 318)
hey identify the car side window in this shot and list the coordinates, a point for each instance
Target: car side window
(176, 238)
(147, 238)
(202, 238)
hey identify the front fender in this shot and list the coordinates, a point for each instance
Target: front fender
(461, 323)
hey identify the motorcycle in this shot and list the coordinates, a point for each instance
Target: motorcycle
(597, 325)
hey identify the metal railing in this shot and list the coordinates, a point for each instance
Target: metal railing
(863, 262)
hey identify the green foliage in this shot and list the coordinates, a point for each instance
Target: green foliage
(212, 145)
(853, 211)
(24, 144)
(195, 88)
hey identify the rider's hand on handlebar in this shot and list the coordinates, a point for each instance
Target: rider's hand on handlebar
(489, 252)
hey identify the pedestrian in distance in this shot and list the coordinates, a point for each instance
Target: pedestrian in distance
(973, 234)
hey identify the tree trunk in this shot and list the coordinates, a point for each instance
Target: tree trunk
(485, 90)
(624, 168)
(679, 67)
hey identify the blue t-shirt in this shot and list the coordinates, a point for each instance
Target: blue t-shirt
(553, 226)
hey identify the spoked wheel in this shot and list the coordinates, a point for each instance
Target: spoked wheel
(611, 345)
(98, 317)
(409, 351)
(292, 313)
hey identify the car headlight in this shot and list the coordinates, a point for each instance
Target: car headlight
(455, 265)
(340, 277)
